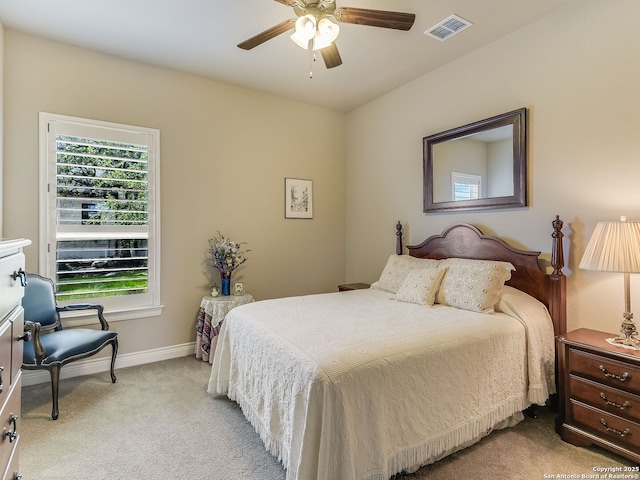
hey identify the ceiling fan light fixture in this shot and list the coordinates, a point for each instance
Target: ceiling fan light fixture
(315, 28)
(305, 31)
(326, 34)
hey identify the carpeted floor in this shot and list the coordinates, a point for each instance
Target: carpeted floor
(157, 422)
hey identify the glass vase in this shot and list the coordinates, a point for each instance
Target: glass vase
(226, 284)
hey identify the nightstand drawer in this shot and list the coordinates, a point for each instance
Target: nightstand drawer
(604, 370)
(609, 399)
(610, 427)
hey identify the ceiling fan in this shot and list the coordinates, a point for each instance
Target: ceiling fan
(316, 31)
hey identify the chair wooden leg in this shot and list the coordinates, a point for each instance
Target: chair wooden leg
(54, 371)
(114, 352)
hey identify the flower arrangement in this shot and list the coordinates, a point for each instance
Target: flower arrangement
(226, 255)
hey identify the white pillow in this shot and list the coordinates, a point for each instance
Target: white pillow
(421, 285)
(473, 284)
(396, 270)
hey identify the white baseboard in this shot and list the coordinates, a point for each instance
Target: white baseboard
(103, 364)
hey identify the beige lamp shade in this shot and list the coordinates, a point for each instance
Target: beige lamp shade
(613, 247)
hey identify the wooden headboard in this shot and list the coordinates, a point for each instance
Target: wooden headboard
(466, 241)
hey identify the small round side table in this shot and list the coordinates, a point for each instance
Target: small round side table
(210, 316)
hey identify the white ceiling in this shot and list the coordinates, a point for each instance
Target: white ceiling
(200, 36)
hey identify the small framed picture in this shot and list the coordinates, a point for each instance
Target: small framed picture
(238, 288)
(298, 198)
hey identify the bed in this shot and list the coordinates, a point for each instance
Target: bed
(454, 340)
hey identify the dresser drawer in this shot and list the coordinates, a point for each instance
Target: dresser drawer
(10, 351)
(16, 320)
(605, 370)
(11, 290)
(7, 425)
(5, 361)
(12, 472)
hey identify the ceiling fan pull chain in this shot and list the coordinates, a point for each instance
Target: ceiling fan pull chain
(313, 59)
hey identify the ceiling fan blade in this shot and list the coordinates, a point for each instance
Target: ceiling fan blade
(375, 18)
(286, 2)
(331, 56)
(267, 35)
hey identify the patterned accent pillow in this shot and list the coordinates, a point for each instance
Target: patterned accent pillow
(396, 269)
(421, 285)
(473, 284)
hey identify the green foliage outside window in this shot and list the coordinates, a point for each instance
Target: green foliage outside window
(101, 183)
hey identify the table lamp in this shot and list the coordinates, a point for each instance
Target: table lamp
(615, 247)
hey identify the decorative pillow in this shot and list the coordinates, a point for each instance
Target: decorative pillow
(473, 284)
(396, 269)
(421, 285)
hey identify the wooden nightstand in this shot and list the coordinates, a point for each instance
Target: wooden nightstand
(599, 387)
(345, 287)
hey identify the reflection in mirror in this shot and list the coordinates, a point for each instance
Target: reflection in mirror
(477, 166)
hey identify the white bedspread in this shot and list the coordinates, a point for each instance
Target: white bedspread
(357, 386)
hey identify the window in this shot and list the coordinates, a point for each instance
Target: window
(100, 229)
(465, 186)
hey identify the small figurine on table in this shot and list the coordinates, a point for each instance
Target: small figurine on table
(215, 291)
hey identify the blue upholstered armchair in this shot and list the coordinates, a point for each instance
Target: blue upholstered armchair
(50, 347)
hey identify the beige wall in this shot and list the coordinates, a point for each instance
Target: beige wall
(579, 80)
(225, 152)
(1, 116)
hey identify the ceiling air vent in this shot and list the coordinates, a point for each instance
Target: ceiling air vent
(448, 27)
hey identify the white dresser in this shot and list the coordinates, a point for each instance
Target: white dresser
(12, 280)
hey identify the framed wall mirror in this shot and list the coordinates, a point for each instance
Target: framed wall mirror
(479, 166)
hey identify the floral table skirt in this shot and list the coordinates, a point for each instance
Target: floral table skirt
(210, 316)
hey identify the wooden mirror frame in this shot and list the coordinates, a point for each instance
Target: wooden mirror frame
(517, 118)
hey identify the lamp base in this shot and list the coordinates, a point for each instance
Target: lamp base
(628, 335)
